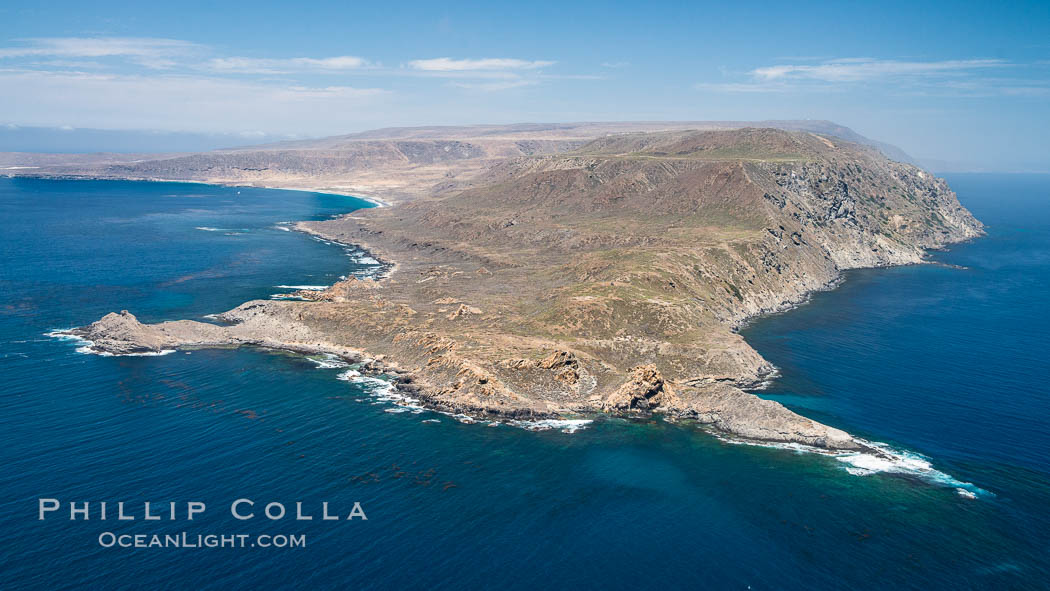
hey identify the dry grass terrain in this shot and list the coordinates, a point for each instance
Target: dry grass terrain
(604, 278)
(392, 165)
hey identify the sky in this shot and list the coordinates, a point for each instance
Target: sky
(962, 84)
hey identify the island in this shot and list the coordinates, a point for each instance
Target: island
(562, 272)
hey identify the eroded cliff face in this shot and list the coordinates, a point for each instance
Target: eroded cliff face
(609, 279)
(828, 217)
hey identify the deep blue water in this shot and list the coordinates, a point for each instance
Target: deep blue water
(942, 361)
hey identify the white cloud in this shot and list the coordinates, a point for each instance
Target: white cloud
(571, 76)
(861, 69)
(157, 53)
(989, 87)
(494, 86)
(143, 47)
(840, 75)
(445, 64)
(743, 87)
(100, 82)
(153, 53)
(75, 64)
(171, 102)
(247, 65)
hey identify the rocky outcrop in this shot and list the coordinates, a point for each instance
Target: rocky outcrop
(742, 414)
(123, 334)
(644, 389)
(463, 310)
(341, 291)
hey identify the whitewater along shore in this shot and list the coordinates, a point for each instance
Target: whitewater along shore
(609, 278)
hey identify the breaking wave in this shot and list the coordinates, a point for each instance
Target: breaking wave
(303, 287)
(384, 391)
(328, 361)
(86, 346)
(362, 258)
(908, 463)
(883, 460)
(563, 425)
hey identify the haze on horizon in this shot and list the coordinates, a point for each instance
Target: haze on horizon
(963, 85)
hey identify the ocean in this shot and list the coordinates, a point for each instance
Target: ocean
(944, 363)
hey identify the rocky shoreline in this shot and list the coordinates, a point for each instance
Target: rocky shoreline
(601, 281)
(750, 417)
(122, 334)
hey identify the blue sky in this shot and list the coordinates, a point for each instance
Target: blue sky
(959, 82)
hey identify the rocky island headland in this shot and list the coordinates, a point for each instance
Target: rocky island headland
(548, 273)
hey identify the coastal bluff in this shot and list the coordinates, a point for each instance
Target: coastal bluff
(608, 277)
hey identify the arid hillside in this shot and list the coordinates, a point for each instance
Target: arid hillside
(608, 278)
(394, 164)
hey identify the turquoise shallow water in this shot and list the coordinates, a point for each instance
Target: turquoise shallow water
(935, 360)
